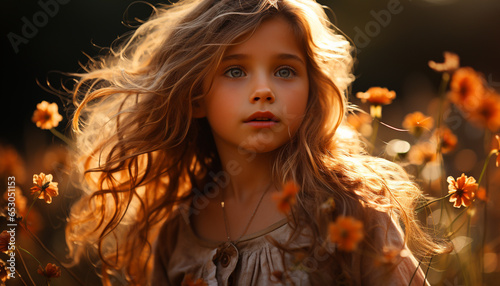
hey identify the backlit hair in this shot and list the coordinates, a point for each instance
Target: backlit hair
(141, 151)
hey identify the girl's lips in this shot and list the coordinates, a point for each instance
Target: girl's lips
(261, 124)
(262, 119)
(262, 116)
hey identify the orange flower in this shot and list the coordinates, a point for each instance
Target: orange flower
(44, 187)
(377, 96)
(188, 281)
(46, 116)
(4, 272)
(466, 88)
(346, 232)
(448, 140)
(463, 190)
(417, 123)
(481, 194)
(451, 63)
(287, 198)
(486, 113)
(497, 150)
(422, 153)
(50, 271)
(4, 241)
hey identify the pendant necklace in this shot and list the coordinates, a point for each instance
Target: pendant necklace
(228, 248)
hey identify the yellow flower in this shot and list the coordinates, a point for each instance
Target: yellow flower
(463, 190)
(377, 96)
(287, 198)
(451, 63)
(346, 232)
(417, 123)
(44, 187)
(50, 271)
(46, 116)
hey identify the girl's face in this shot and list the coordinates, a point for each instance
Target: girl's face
(258, 94)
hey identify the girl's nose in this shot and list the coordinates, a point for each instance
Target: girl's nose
(262, 95)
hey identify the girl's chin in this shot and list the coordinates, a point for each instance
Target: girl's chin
(260, 148)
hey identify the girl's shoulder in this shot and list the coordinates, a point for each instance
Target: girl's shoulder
(387, 257)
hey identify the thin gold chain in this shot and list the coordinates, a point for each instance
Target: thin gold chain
(249, 221)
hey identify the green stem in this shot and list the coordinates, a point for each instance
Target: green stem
(37, 240)
(25, 268)
(457, 217)
(485, 166)
(60, 136)
(21, 277)
(374, 133)
(433, 201)
(427, 271)
(468, 224)
(30, 255)
(485, 210)
(464, 273)
(442, 92)
(444, 187)
(450, 234)
(483, 239)
(415, 272)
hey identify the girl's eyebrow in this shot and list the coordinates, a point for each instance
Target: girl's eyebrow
(283, 56)
(291, 57)
(235, 57)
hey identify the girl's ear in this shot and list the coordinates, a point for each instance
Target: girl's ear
(199, 110)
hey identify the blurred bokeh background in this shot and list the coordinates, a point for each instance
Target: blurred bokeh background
(394, 52)
(395, 41)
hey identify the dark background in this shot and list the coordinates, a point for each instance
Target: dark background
(394, 55)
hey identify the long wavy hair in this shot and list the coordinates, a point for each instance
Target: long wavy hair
(141, 150)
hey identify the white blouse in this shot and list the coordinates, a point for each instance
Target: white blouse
(180, 253)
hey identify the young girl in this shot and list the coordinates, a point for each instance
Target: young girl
(191, 126)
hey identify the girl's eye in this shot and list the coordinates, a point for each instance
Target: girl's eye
(234, 72)
(285, 72)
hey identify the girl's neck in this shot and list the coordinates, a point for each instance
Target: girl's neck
(249, 173)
